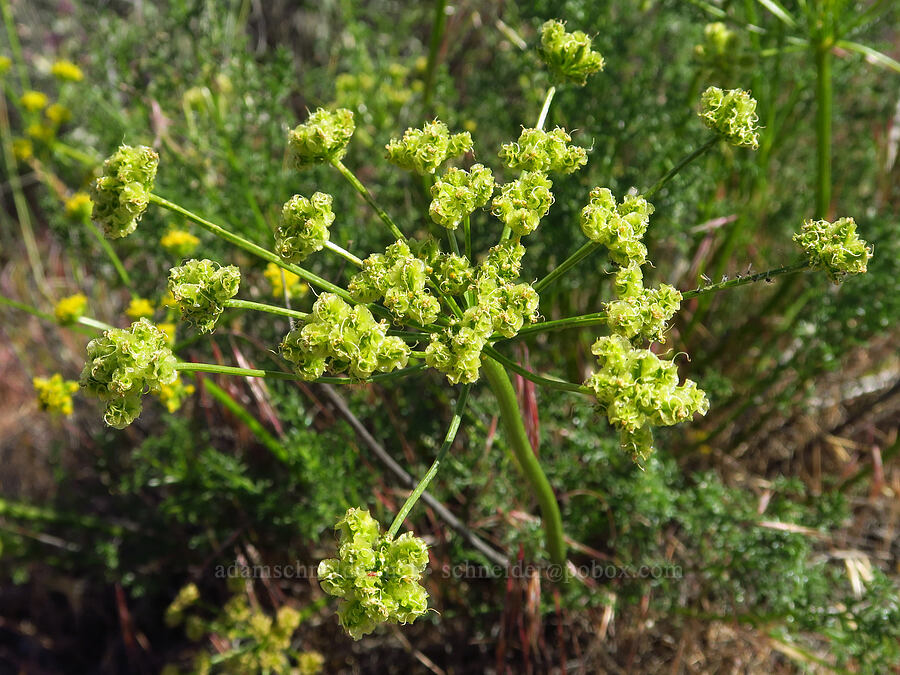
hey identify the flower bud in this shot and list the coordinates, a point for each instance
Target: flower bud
(201, 287)
(322, 138)
(424, 150)
(377, 577)
(123, 365)
(522, 203)
(732, 114)
(54, 394)
(618, 227)
(121, 194)
(538, 150)
(304, 226)
(458, 193)
(834, 247)
(568, 56)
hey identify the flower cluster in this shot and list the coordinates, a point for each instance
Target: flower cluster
(619, 228)
(834, 247)
(539, 150)
(282, 280)
(173, 395)
(377, 577)
(400, 278)
(34, 101)
(732, 114)
(322, 138)
(121, 194)
(522, 203)
(568, 55)
(123, 364)
(338, 337)
(458, 193)
(71, 308)
(424, 150)
(67, 71)
(55, 394)
(641, 313)
(179, 243)
(499, 305)
(200, 288)
(304, 226)
(139, 307)
(638, 390)
(719, 44)
(79, 206)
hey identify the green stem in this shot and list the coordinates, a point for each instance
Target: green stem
(560, 324)
(249, 246)
(14, 44)
(454, 245)
(46, 316)
(517, 438)
(542, 118)
(683, 162)
(553, 383)
(110, 253)
(567, 264)
(76, 154)
(467, 231)
(749, 279)
(370, 200)
(344, 253)
(824, 101)
(437, 34)
(432, 471)
(187, 367)
(262, 307)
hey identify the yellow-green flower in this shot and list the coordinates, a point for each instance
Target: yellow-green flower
(58, 114)
(174, 394)
(70, 309)
(22, 149)
(55, 394)
(5, 65)
(179, 243)
(43, 133)
(295, 287)
(79, 206)
(67, 71)
(140, 308)
(33, 101)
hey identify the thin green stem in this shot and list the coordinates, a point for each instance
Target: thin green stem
(517, 437)
(683, 162)
(249, 246)
(567, 264)
(749, 279)
(262, 307)
(110, 253)
(594, 319)
(14, 44)
(344, 253)
(185, 366)
(76, 154)
(451, 238)
(467, 232)
(824, 103)
(437, 35)
(93, 323)
(550, 382)
(370, 200)
(85, 321)
(542, 118)
(449, 437)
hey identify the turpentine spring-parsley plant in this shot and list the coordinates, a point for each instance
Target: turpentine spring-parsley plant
(461, 307)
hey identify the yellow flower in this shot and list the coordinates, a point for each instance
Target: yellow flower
(138, 308)
(55, 394)
(168, 300)
(23, 149)
(40, 132)
(5, 65)
(173, 395)
(79, 206)
(310, 663)
(68, 71)
(58, 114)
(295, 287)
(70, 309)
(33, 101)
(179, 242)
(169, 330)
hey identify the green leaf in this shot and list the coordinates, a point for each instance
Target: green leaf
(872, 55)
(779, 11)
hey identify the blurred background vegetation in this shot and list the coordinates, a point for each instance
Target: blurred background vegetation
(780, 508)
